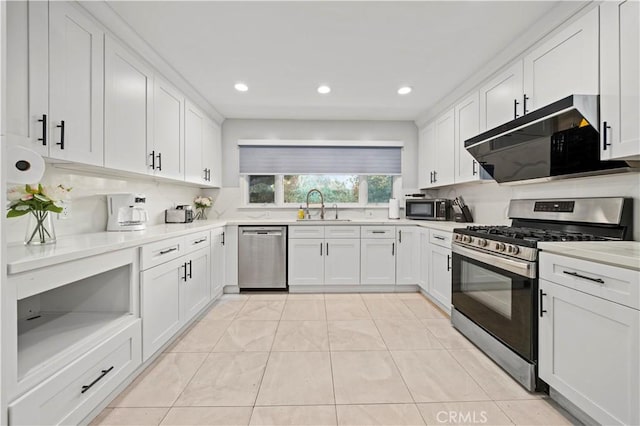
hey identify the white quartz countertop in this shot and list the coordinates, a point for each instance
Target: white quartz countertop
(21, 258)
(624, 254)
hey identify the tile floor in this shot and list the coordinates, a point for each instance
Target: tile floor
(335, 359)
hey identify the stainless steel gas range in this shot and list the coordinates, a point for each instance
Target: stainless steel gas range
(495, 273)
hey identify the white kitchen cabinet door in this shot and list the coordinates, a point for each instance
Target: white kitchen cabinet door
(467, 125)
(424, 260)
(426, 155)
(212, 152)
(306, 261)
(501, 98)
(377, 261)
(588, 351)
(196, 290)
(27, 75)
(128, 105)
(445, 149)
(342, 261)
(620, 80)
(75, 85)
(565, 64)
(160, 305)
(440, 275)
(408, 255)
(194, 122)
(168, 131)
(217, 261)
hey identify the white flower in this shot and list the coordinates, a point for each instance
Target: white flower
(15, 193)
(56, 193)
(203, 201)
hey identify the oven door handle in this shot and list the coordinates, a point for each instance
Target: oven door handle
(519, 267)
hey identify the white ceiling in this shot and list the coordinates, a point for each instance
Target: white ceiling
(363, 50)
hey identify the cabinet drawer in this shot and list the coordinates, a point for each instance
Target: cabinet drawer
(440, 238)
(193, 242)
(306, 231)
(161, 251)
(378, 232)
(341, 232)
(618, 285)
(61, 400)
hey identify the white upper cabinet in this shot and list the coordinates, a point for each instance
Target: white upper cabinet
(167, 152)
(75, 85)
(27, 75)
(195, 171)
(212, 152)
(128, 104)
(563, 65)
(620, 80)
(426, 155)
(445, 147)
(501, 98)
(467, 125)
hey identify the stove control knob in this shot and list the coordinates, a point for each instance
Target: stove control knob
(500, 246)
(457, 237)
(482, 242)
(466, 239)
(514, 249)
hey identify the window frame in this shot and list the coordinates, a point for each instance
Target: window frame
(363, 194)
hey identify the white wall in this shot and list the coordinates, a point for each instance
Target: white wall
(229, 199)
(489, 201)
(88, 200)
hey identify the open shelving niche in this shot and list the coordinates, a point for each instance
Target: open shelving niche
(57, 322)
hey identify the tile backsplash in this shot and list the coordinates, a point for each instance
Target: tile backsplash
(89, 205)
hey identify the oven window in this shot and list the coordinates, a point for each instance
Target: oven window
(487, 287)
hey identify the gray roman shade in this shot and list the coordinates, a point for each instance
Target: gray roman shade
(348, 157)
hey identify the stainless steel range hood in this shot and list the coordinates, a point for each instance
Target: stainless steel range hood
(560, 140)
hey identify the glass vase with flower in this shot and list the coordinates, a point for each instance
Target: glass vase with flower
(202, 204)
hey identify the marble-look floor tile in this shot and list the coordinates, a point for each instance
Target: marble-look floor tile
(406, 335)
(225, 309)
(534, 412)
(463, 413)
(207, 416)
(251, 336)
(301, 336)
(343, 296)
(356, 335)
(447, 334)
(130, 416)
(410, 296)
(388, 309)
(423, 309)
(301, 415)
(305, 296)
(379, 414)
(280, 296)
(300, 310)
(339, 309)
(495, 381)
(229, 379)
(367, 378)
(162, 382)
(202, 337)
(297, 378)
(435, 376)
(259, 310)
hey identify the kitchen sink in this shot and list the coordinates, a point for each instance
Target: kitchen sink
(323, 220)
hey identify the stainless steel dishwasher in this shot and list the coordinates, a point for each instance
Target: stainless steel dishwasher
(262, 257)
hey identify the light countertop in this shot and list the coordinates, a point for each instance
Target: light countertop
(21, 258)
(624, 254)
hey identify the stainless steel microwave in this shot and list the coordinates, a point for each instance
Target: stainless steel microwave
(434, 209)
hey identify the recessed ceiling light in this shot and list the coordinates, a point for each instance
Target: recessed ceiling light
(241, 87)
(404, 90)
(323, 90)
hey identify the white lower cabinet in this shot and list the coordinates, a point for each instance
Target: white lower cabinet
(589, 351)
(306, 261)
(378, 261)
(315, 261)
(342, 261)
(69, 396)
(217, 262)
(440, 275)
(424, 260)
(171, 295)
(408, 255)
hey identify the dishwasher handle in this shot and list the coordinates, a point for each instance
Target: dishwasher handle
(263, 233)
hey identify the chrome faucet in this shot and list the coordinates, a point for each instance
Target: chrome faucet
(335, 206)
(321, 203)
